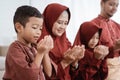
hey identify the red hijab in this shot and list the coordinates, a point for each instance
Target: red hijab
(86, 32)
(61, 44)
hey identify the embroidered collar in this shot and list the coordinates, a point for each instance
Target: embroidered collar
(103, 18)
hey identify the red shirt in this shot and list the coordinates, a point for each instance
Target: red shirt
(20, 65)
(111, 32)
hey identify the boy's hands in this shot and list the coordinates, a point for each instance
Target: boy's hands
(45, 45)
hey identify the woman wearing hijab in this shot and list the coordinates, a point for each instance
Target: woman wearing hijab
(56, 19)
(93, 65)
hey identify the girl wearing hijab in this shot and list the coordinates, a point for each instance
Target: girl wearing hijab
(93, 65)
(56, 19)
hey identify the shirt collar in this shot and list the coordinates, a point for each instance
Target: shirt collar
(103, 18)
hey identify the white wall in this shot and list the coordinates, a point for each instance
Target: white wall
(81, 10)
(7, 9)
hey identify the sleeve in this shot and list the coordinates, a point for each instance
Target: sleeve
(74, 73)
(57, 73)
(104, 69)
(60, 71)
(111, 51)
(88, 67)
(54, 71)
(23, 69)
(93, 69)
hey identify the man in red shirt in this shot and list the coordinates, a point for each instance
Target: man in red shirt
(110, 36)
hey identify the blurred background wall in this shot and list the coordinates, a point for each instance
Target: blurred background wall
(81, 10)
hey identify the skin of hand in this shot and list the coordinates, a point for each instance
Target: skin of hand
(117, 45)
(101, 51)
(68, 57)
(43, 48)
(79, 55)
(81, 52)
(45, 45)
(74, 54)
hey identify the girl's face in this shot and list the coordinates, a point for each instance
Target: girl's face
(94, 40)
(59, 26)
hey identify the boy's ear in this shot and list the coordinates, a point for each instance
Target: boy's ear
(18, 27)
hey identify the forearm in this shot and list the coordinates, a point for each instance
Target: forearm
(38, 59)
(47, 65)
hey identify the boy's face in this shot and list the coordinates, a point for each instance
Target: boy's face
(32, 30)
(94, 40)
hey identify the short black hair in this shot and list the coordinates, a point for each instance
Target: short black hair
(23, 13)
(104, 0)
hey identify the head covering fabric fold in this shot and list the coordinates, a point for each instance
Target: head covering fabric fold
(86, 32)
(61, 44)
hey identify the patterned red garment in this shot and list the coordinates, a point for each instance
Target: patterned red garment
(20, 65)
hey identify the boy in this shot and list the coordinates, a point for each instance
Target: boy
(25, 57)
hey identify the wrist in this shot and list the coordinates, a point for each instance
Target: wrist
(64, 64)
(74, 67)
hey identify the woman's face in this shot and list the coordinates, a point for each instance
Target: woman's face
(60, 24)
